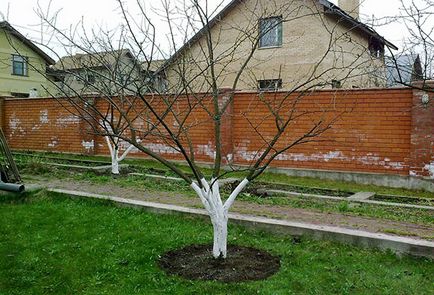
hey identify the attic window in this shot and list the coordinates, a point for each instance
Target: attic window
(270, 32)
(376, 48)
(336, 84)
(272, 84)
(19, 65)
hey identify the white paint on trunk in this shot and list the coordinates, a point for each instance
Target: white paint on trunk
(209, 194)
(115, 166)
(114, 154)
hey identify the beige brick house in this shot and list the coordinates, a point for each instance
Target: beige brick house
(295, 42)
(107, 73)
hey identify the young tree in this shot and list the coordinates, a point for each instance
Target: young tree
(101, 70)
(221, 52)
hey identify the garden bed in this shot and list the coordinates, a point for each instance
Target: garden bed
(260, 189)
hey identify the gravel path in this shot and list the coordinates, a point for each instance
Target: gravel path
(272, 211)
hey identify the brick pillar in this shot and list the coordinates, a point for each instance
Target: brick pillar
(422, 131)
(88, 138)
(2, 114)
(227, 126)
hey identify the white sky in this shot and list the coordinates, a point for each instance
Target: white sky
(21, 14)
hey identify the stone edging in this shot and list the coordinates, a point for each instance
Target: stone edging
(399, 245)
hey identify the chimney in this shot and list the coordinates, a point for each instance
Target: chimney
(351, 7)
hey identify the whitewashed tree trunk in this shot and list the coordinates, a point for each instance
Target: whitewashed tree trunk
(115, 162)
(114, 154)
(218, 211)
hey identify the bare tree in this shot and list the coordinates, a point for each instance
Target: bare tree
(221, 52)
(103, 70)
(415, 61)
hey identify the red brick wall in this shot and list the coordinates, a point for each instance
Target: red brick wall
(372, 134)
(200, 129)
(44, 125)
(378, 131)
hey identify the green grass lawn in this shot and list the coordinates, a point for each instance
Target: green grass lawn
(52, 244)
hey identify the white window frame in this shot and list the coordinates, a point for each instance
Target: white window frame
(270, 32)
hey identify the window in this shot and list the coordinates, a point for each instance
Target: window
(376, 48)
(19, 65)
(336, 84)
(270, 32)
(19, 94)
(272, 84)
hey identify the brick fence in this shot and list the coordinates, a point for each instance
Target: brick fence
(387, 131)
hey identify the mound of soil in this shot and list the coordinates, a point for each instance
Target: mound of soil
(196, 262)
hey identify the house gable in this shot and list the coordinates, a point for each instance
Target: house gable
(304, 37)
(23, 70)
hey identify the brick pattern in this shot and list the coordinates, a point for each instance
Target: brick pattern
(422, 133)
(376, 131)
(42, 125)
(372, 133)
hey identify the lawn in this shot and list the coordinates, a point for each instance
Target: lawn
(52, 244)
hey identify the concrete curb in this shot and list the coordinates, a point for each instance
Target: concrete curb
(399, 245)
(356, 199)
(91, 168)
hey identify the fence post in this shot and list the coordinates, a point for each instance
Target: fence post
(422, 130)
(2, 113)
(87, 125)
(226, 94)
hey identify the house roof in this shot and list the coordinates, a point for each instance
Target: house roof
(336, 10)
(328, 6)
(153, 65)
(92, 60)
(6, 26)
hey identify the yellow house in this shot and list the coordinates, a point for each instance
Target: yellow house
(288, 44)
(23, 65)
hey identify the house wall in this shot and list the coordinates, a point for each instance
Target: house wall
(312, 42)
(20, 84)
(384, 131)
(107, 78)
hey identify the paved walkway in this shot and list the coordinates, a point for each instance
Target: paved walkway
(311, 216)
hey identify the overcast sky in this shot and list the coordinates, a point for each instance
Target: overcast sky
(21, 14)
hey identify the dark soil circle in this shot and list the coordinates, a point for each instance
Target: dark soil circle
(195, 262)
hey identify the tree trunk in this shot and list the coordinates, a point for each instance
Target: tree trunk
(218, 211)
(220, 227)
(115, 162)
(115, 166)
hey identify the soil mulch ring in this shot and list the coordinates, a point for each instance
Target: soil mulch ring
(195, 262)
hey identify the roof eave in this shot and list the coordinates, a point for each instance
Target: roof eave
(26, 41)
(336, 10)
